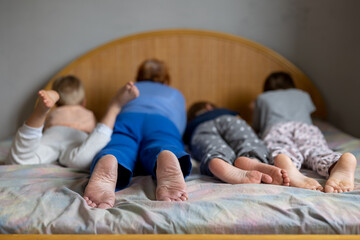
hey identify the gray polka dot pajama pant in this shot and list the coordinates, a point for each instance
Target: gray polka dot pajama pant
(303, 143)
(226, 137)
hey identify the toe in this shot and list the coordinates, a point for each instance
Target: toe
(165, 199)
(89, 202)
(284, 172)
(104, 206)
(329, 189)
(266, 178)
(183, 198)
(286, 180)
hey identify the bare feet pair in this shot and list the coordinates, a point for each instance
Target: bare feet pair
(247, 170)
(100, 191)
(341, 177)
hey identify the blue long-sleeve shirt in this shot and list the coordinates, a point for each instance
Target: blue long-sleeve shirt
(157, 98)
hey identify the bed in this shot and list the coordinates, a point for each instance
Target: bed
(225, 69)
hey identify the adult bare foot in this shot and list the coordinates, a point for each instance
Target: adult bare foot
(170, 179)
(342, 175)
(233, 175)
(297, 179)
(279, 176)
(100, 191)
(46, 100)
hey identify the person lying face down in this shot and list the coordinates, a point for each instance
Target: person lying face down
(282, 116)
(68, 134)
(146, 141)
(227, 147)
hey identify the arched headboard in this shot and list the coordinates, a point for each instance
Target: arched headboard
(204, 65)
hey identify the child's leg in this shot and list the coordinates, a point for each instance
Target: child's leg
(342, 175)
(241, 138)
(217, 157)
(286, 155)
(27, 142)
(162, 155)
(113, 166)
(230, 174)
(46, 100)
(297, 179)
(323, 160)
(313, 146)
(279, 140)
(279, 176)
(246, 145)
(207, 144)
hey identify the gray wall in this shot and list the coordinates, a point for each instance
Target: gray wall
(39, 37)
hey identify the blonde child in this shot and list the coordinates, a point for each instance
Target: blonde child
(70, 135)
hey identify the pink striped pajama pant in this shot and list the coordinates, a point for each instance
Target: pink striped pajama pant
(303, 143)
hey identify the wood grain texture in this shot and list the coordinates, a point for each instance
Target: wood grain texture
(222, 68)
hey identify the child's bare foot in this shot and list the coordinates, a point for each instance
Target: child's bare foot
(279, 176)
(100, 191)
(170, 180)
(233, 175)
(297, 179)
(46, 100)
(125, 94)
(342, 175)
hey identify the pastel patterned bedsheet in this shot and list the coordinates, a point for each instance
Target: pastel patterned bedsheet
(47, 199)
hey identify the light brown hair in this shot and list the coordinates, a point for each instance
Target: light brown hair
(153, 70)
(70, 89)
(196, 108)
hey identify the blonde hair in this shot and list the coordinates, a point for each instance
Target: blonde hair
(153, 70)
(70, 89)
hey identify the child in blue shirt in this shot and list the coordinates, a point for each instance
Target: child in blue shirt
(146, 140)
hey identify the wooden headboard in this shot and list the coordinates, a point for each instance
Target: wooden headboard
(204, 65)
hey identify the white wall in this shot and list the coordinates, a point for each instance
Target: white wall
(39, 37)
